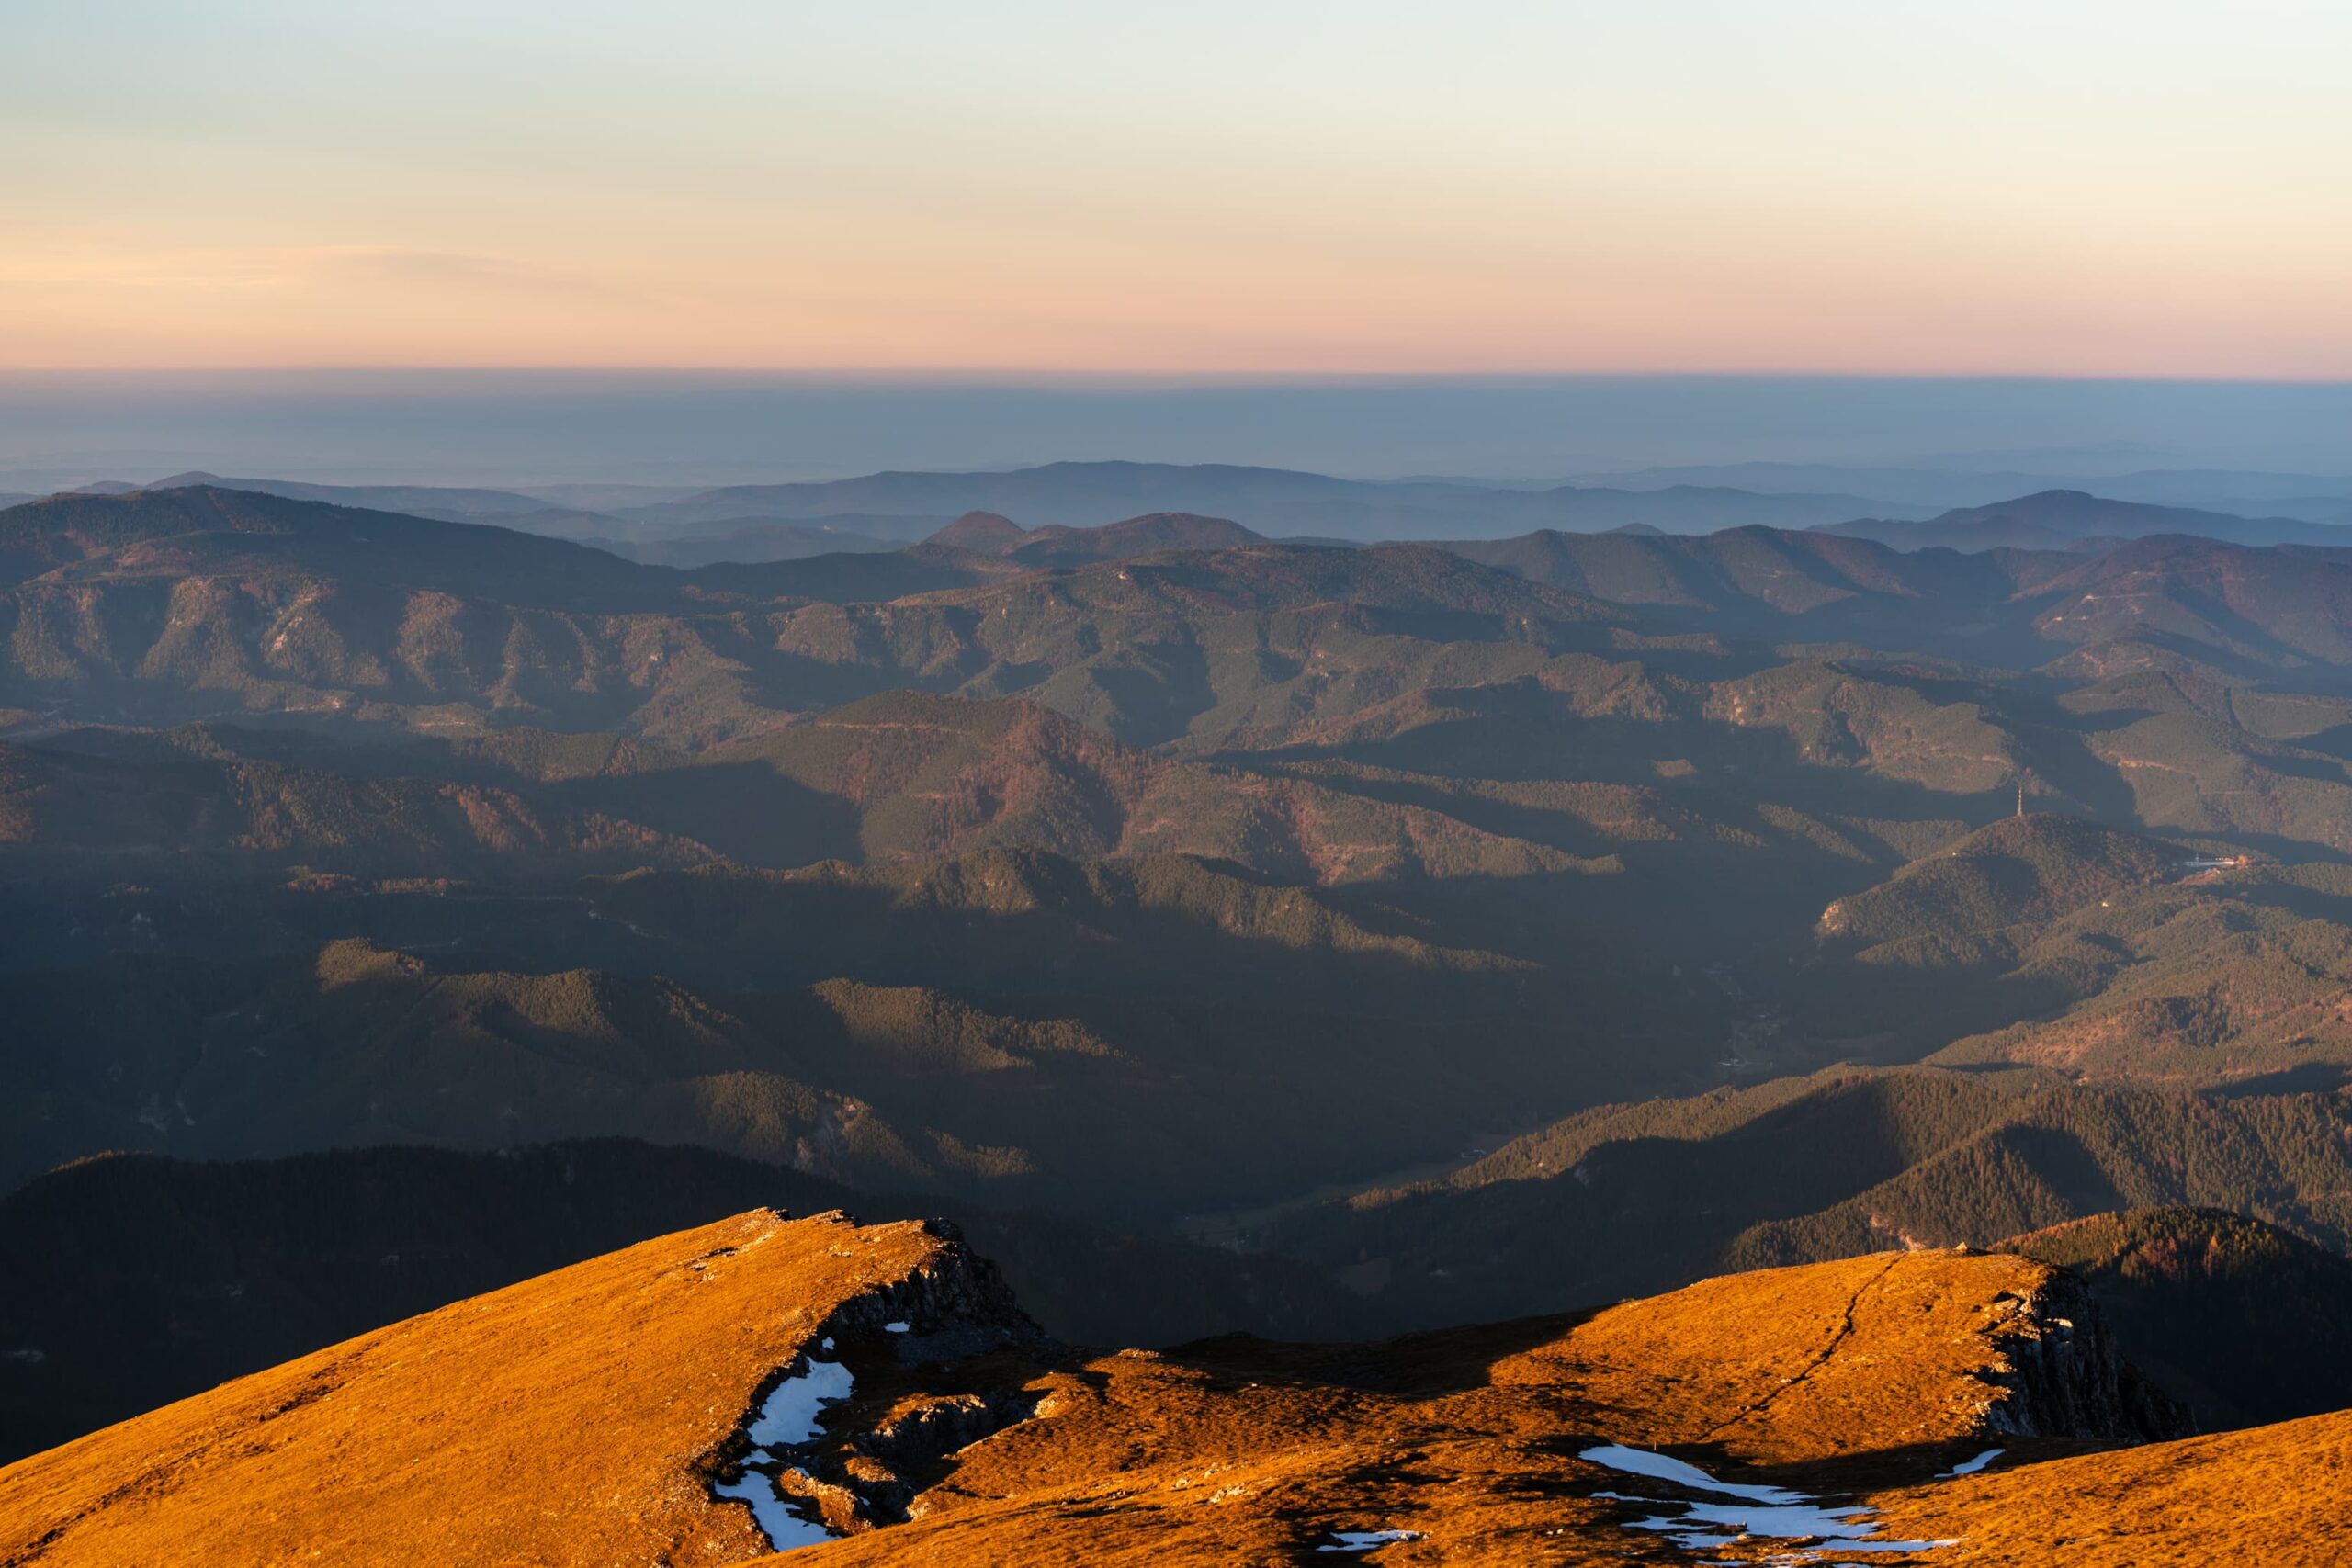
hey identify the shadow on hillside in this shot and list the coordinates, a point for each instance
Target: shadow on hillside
(748, 811)
(1428, 1365)
(2335, 741)
(2304, 1077)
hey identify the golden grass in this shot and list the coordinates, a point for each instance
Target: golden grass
(1245, 1453)
(557, 1421)
(570, 1419)
(2280, 1496)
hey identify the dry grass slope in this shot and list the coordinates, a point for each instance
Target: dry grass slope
(563, 1420)
(582, 1418)
(2273, 1495)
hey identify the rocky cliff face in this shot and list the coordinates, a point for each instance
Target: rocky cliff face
(952, 1306)
(2064, 1375)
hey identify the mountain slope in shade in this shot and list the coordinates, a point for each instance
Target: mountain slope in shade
(1994, 890)
(457, 502)
(204, 530)
(1055, 544)
(2245, 1322)
(1147, 1097)
(2266, 607)
(218, 1270)
(919, 776)
(180, 814)
(1631, 1198)
(881, 1381)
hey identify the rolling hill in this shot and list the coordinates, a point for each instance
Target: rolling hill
(1631, 1198)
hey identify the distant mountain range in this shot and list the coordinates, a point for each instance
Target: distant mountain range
(877, 512)
(2312, 498)
(2072, 519)
(1274, 501)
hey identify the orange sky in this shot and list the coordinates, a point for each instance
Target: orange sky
(2093, 189)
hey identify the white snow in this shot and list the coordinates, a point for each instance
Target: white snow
(896, 1327)
(784, 1529)
(1368, 1540)
(1758, 1514)
(1971, 1467)
(1788, 1522)
(1659, 1467)
(788, 1416)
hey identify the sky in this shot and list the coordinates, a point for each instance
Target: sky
(2062, 188)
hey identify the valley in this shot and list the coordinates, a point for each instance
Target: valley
(1305, 941)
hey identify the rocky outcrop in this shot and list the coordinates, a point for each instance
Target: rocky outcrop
(954, 1306)
(2064, 1377)
(927, 1363)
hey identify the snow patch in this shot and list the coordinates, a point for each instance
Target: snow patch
(1367, 1541)
(1663, 1467)
(1762, 1515)
(785, 1419)
(896, 1327)
(787, 1416)
(784, 1529)
(1970, 1467)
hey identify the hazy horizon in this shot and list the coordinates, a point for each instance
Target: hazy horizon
(519, 427)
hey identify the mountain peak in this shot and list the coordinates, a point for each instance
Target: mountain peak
(982, 532)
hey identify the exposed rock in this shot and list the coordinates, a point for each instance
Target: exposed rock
(881, 1445)
(2064, 1376)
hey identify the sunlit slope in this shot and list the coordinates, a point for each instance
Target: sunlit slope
(568, 1419)
(2273, 1495)
(615, 1411)
(1468, 1441)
